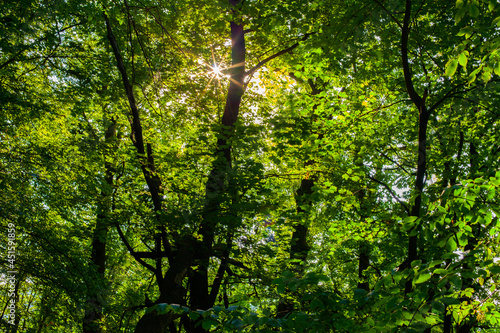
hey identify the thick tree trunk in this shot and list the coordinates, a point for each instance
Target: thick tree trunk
(172, 291)
(191, 252)
(219, 180)
(194, 253)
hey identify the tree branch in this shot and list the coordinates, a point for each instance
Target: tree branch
(414, 96)
(393, 194)
(218, 281)
(389, 13)
(252, 71)
(134, 254)
(401, 166)
(147, 161)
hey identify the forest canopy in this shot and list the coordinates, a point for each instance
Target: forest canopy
(250, 165)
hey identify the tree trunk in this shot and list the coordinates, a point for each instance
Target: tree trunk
(219, 180)
(363, 264)
(365, 213)
(93, 310)
(170, 286)
(423, 120)
(299, 247)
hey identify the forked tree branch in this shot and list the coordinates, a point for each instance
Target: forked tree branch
(145, 156)
(137, 255)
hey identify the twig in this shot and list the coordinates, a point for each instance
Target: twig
(393, 194)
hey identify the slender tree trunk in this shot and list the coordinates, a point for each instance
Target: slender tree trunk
(423, 120)
(419, 186)
(43, 312)
(363, 245)
(93, 310)
(299, 248)
(447, 326)
(363, 264)
(468, 323)
(171, 285)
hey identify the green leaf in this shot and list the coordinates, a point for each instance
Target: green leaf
(421, 278)
(451, 67)
(151, 308)
(435, 263)
(473, 11)
(409, 222)
(194, 315)
(462, 59)
(459, 15)
(415, 263)
(437, 306)
(317, 304)
(472, 76)
(441, 271)
(163, 308)
(456, 281)
(495, 270)
(486, 76)
(208, 323)
(449, 300)
(467, 32)
(451, 244)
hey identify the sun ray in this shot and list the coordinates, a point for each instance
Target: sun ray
(236, 65)
(216, 72)
(236, 82)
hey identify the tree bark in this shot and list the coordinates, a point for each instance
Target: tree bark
(93, 311)
(170, 286)
(299, 248)
(219, 180)
(364, 214)
(423, 120)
